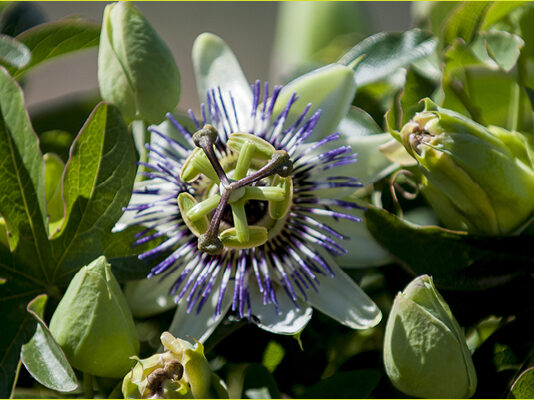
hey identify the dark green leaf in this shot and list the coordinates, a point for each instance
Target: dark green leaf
(97, 184)
(455, 260)
(54, 39)
(16, 16)
(345, 385)
(523, 387)
(18, 325)
(464, 21)
(258, 383)
(13, 53)
(530, 94)
(42, 356)
(384, 53)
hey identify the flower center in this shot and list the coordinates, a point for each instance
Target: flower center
(257, 187)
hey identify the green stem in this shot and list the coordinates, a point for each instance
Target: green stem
(515, 108)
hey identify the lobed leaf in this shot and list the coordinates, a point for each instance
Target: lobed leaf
(97, 184)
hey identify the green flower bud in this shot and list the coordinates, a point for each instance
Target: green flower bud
(136, 69)
(425, 352)
(93, 324)
(477, 179)
(180, 372)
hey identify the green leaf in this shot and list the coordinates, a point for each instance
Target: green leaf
(13, 53)
(18, 326)
(523, 387)
(42, 356)
(464, 21)
(97, 183)
(22, 197)
(345, 385)
(455, 260)
(54, 39)
(498, 48)
(499, 10)
(386, 52)
(273, 355)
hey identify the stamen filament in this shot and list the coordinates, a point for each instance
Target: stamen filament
(240, 221)
(244, 160)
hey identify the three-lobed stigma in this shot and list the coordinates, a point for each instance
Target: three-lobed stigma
(258, 173)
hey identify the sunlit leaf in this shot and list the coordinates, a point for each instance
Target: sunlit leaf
(42, 356)
(54, 39)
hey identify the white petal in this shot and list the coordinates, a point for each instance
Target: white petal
(330, 88)
(372, 165)
(216, 65)
(129, 218)
(340, 298)
(289, 321)
(363, 250)
(200, 326)
(149, 297)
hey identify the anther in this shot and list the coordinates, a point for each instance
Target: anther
(279, 164)
(205, 138)
(209, 241)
